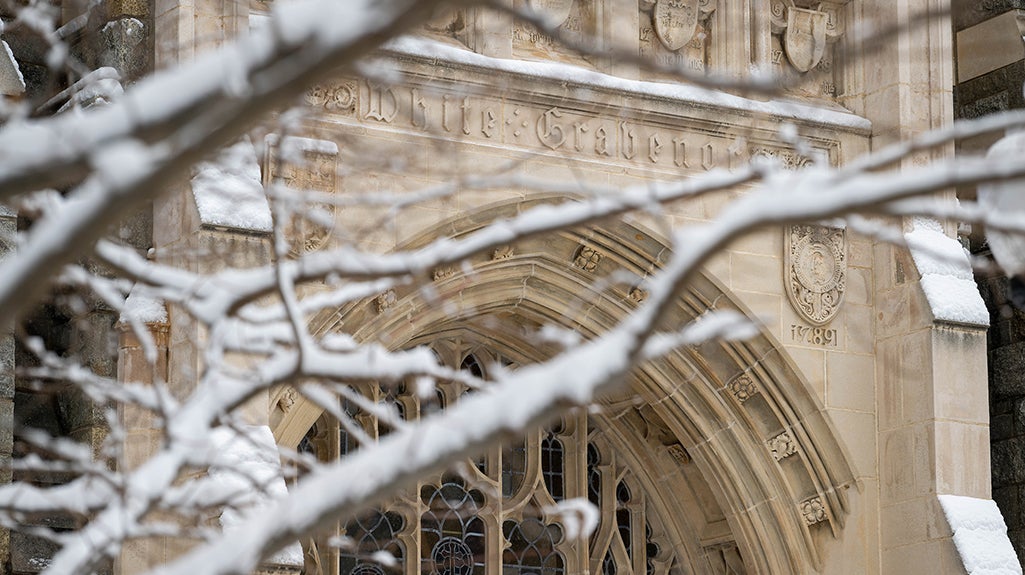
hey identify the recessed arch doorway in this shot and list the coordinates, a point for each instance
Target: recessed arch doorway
(724, 444)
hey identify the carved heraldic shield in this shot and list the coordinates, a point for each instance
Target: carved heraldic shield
(805, 37)
(815, 267)
(675, 22)
(555, 11)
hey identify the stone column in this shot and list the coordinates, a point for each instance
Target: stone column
(8, 226)
(931, 394)
(143, 433)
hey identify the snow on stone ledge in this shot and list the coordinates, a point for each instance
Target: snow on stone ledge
(423, 47)
(980, 535)
(12, 82)
(946, 274)
(229, 191)
(143, 308)
(243, 461)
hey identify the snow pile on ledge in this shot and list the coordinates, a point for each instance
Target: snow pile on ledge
(229, 191)
(142, 308)
(946, 274)
(980, 535)
(247, 469)
(423, 47)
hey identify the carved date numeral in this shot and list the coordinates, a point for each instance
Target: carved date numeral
(813, 335)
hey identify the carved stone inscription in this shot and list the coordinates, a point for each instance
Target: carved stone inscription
(816, 270)
(572, 133)
(813, 335)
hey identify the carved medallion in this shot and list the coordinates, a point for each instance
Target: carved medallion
(816, 271)
(675, 22)
(555, 11)
(805, 37)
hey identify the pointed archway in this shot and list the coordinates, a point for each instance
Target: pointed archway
(726, 439)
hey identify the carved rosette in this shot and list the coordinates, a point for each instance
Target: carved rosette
(587, 258)
(782, 446)
(743, 387)
(813, 511)
(816, 271)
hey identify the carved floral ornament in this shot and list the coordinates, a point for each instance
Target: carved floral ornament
(782, 446)
(742, 387)
(805, 31)
(813, 511)
(815, 268)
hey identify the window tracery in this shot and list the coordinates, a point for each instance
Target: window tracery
(499, 509)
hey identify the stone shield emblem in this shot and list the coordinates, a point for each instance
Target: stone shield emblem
(805, 37)
(816, 271)
(675, 22)
(555, 11)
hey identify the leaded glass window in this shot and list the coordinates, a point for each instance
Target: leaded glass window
(367, 536)
(497, 512)
(453, 539)
(531, 548)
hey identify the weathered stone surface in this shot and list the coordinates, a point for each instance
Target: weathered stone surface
(121, 43)
(966, 13)
(30, 554)
(1007, 369)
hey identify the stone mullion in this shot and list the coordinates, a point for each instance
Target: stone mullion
(637, 531)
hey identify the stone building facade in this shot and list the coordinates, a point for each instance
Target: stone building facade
(821, 445)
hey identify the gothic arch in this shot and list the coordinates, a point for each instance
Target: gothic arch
(761, 467)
